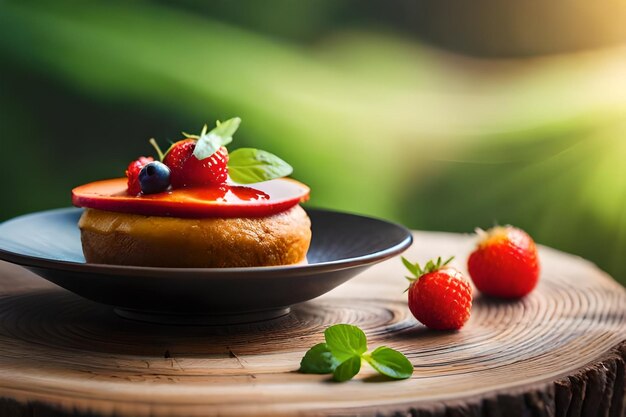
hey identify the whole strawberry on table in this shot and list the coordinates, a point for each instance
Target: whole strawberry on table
(440, 297)
(505, 262)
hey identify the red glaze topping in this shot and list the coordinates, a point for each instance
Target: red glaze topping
(265, 199)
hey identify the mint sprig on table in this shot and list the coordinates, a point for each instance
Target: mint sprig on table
(245, 165)
(344, 352)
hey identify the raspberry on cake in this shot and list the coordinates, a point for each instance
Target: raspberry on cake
(192, 209)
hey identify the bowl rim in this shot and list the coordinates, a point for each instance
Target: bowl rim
(30, 261)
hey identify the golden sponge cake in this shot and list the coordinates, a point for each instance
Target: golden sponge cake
(131, 239)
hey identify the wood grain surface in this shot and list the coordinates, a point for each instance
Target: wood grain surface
(559, 351)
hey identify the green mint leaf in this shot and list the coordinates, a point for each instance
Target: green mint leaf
(226, 129)
(390, 363)
(248, 165)
(347, 369)
(345, 341)
(344, 351)
(318, 360)
(221, 135)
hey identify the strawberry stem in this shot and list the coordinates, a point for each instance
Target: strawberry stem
(190, 136)
(155, 145)
(431, 266)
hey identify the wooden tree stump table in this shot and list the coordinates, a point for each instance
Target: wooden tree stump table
(559, 351)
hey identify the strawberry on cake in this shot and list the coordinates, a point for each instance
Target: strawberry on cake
(195, 207)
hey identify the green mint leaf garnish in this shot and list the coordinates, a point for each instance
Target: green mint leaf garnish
(390, 362)
(245, 165)
(220, 135)
(347, 369)
(318, 360)
(248, 165)
(345, 341)
(344, 351)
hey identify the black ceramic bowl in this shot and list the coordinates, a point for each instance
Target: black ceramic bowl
(48, 243)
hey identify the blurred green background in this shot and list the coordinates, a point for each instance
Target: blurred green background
(435, 114)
